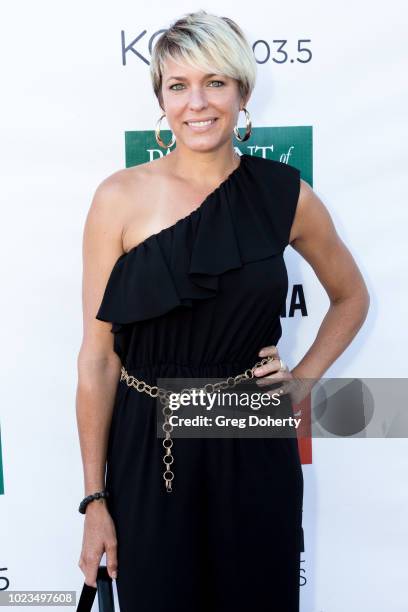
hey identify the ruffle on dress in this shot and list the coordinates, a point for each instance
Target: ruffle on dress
(246, 218)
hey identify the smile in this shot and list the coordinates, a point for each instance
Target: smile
(201, 125)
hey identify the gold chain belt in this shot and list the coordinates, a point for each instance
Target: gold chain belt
(164, 395)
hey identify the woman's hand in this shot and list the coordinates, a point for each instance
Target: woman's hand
(272, 373)
(99, 536)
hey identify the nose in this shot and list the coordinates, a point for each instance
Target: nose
(198, 99)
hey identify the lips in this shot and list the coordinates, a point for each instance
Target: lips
(201, 128)
(195, 121)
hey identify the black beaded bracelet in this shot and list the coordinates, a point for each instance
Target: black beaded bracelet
(89, 498)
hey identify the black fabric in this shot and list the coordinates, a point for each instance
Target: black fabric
(199, 299)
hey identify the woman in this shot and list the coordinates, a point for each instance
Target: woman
(183, 262)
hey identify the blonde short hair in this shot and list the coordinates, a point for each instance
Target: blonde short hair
(210, 43)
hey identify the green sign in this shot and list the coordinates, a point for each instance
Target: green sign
(292, 145)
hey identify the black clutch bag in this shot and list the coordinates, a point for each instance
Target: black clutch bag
(104, 590)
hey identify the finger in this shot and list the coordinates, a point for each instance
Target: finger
(90, 582)
(268, 350)
(111, 558)
(90, 569)
(273, 367)
(90, 576)
(266, 381)
(267, 368)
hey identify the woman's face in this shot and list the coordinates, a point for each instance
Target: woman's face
(189, 95)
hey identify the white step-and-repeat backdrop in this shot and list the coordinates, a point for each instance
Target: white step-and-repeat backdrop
(71, 87)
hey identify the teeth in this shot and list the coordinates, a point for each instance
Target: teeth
(201, 122)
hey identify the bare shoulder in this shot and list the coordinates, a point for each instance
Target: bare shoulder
(119, 195)
(142, 178)
(312, 218)
(152, 200)
(111, 195)
(128, 182)
(136, 202)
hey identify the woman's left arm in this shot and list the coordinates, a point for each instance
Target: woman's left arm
(314, 236)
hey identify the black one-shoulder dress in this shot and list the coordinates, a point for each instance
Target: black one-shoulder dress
(199, 299)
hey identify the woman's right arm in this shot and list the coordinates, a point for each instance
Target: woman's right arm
(98, 372)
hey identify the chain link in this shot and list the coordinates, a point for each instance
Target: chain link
(164, 395)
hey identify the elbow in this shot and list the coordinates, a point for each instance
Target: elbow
(355, 305)
(366, 300)
(362, 306)
(93, 364)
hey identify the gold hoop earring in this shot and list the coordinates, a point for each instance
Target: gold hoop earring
(248, 128)
(159, 140)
